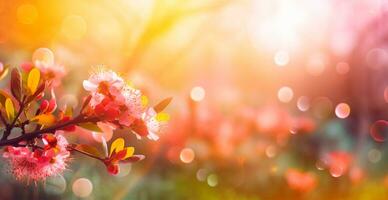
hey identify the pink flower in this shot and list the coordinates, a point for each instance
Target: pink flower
(104, 83)
(152, 124)
(112, 99)
(53, 73)
(38, 164)
(300, 181)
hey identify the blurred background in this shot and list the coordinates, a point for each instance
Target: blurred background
(273, 99)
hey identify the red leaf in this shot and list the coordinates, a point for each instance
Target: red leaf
(16, 84)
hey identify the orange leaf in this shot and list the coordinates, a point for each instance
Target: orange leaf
(44, 119)
(162, 105)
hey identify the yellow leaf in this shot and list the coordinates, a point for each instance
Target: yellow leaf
(33, 80)
(130, 151)
(44, 119)
(162, 117)
(144, 101)
(117, 146)
(9, 109)
(4, 73)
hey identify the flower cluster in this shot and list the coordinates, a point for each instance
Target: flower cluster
(117, 103)
(34, 164)
(42, 150)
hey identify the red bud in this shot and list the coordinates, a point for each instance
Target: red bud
(43, 106)
(51, 106)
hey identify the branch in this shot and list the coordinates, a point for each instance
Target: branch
(34, 134)
(70, 148)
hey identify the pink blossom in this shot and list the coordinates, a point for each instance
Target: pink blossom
(104, 83)
(113, 99)
(38, 164)
(53, 73)
(153, 125)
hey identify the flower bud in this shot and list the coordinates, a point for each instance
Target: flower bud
(43, 106)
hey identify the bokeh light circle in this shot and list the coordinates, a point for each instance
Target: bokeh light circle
(270, 151)
(43, 56)
(281, 58)
(212, 180)
(202, 174)
(374, 155)
(197, 94)
(322, 107)
(55, 184)
(82, 187)
(337, 171)
(379, 130)
(27, 14)
(74, 27)
(187, 155)
(386, 94)
(125, 169)
(303, 103)
(285, 94)
(342, 68)
(377, 58)
(342, 110)
(316, 64)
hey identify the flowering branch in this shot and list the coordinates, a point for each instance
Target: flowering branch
(111, 104)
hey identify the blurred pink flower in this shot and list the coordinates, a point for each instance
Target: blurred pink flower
(153, 125)
(300, 181)
(119, 104)
(104, 83)
(53, 73)
(38, 164)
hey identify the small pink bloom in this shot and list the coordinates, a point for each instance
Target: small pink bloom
(27, 66)
(53, 73)
(153, 125)
(300, 181)
(38, 164)
(104, 82)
